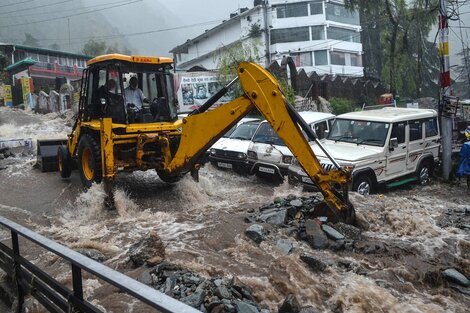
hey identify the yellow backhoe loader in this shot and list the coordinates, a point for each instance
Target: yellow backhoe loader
(110, 135)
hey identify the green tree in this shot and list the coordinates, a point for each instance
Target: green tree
(3, 64)
(94, 48)
(30, 40)
(341, 105)
(463, 74)
(247, 50)
(54, 46)
(229, 58)
(405, 59)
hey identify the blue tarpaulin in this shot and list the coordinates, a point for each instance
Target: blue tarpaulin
(464, 165)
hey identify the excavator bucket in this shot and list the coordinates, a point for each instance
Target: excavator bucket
(47, 154)
(334, 215)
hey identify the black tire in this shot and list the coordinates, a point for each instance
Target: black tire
(468, 181)
(424, 173)
(89, 161)
(64, 162)
(363, 185)
(168, 178)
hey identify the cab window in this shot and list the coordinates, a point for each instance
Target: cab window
(430, 127)
(398, 131)
(320, 129)
(416, 130)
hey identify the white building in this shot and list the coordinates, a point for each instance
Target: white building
(320, 35)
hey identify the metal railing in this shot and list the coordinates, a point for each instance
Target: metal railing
(56, 297)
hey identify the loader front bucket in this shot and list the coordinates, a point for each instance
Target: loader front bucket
(47, 154)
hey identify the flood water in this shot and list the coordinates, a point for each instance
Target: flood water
(413, 233)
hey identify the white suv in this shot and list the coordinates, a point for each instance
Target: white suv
(389, 146)
(267, 153)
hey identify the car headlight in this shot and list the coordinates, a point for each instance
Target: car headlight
(252, 155)
(287, 159)
(241, 155)
(212, 151)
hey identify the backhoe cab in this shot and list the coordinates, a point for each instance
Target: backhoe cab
(109, 135)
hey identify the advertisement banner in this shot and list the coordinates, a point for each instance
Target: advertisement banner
(26, 85)
(7, 96)
(195, 88)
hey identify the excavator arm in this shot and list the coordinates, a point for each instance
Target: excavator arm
(202, 128)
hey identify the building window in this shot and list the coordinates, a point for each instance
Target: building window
(316, 7)
(338, 58)
(356, 60)
(302, 59)
(32, 55)
(321, 57)
(43, 58)
(292, 10)
(338, 13)
(53, 59)
(318, 32)
(290, 35)
(343, 34)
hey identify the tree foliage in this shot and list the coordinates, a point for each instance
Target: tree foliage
(30, 40)
(341, 105)
(4, 62)
(405, 59)
(229, 58)
(97, 47)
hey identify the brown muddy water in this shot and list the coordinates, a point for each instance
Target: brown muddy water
(413, 233)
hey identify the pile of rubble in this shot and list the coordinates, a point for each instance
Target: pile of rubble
(293, 212)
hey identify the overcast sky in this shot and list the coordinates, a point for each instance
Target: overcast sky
(171, 22)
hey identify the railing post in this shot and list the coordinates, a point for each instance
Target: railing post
(17, 273)
(77, 287)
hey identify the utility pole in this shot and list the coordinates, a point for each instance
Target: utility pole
(68, 24)
(444, 97)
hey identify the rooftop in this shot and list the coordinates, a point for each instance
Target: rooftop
(45, 51)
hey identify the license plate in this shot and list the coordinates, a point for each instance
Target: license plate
(306, 180)
(266, 170)
(224, 165)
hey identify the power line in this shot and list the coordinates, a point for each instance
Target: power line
(70, 9)
(36, 7)
(11, 4)
(71, 15)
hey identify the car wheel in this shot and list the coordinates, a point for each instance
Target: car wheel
(468, 181)
(168, 178)
(64, 162)
(89, 161)
(363, 185)
(424, 173)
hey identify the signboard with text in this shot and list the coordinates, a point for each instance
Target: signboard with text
(7, 96)
(195, 88)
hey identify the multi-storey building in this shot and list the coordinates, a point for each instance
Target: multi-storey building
(44, 66)
(320, 35)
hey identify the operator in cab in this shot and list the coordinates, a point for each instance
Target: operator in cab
(134, 96)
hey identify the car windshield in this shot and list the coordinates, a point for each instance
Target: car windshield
(359, 132)
(245, 131)
(229, 132)
(266, 134)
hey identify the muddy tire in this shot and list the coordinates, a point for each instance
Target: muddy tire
(424, 173)
(89, 161)
(64, 162)
(363, 185)
(168, 178)
(468, 181)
